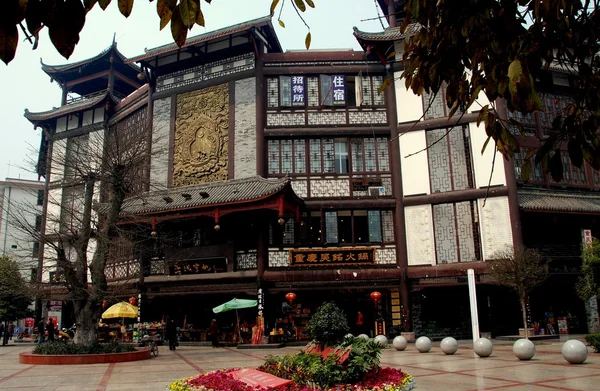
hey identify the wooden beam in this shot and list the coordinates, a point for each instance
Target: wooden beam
(72, 83)
(127, 80)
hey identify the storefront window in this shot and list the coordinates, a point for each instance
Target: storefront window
(344, 226)
(331, 227)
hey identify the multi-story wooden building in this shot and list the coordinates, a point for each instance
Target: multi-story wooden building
(269, 172)
(461, 206)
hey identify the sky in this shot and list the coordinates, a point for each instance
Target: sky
(24, 85)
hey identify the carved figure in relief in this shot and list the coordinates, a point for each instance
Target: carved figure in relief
(201, 136)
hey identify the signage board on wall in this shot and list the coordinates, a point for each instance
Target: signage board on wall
(332, 256)
(198, 266)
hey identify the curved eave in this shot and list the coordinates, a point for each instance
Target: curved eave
(211, 35)
(217, 194)
(60, 72)
(68, 109)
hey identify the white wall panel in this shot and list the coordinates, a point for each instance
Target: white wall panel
(415, 169)
(482, 164)
(494, 221)
(409, 105)
(419, 235)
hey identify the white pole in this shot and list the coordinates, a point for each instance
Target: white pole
(473, 302)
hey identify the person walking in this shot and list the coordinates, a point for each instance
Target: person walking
(41, 327)
(2, 333)
(213, 331)
(11, 330)
(50, 328)
(171, 334)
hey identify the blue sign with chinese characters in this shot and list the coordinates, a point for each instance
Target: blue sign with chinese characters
(338, 90)
(298, 91)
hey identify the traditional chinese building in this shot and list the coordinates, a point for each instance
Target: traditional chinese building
(458, 212)
(268, 172)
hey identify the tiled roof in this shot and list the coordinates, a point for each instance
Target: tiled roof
(389, 34)
(51, 70)
(202, 38)
(69, 108)
(198, 196)
(558, 201)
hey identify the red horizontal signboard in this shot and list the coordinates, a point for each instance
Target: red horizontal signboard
(255, 378)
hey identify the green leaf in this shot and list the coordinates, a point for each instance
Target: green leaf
(300, 5)
(125, 6)
(482, 114)
(385, 84)
(575, 152)
(200, 18)
(555, 166)
(189, 11)
(526, 171)
(35, 14)
(307, 40)
(178, 29)
(104, 3)
(485, 144)
(88, 4)
(164, 9)
(281, 23)
(273, 6)
(9, 39)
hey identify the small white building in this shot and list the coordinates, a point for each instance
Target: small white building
(21, 202)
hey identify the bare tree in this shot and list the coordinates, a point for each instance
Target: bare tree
(90, 177)
(520, 270)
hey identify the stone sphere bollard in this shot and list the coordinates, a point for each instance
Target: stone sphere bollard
(574, 351)
(483, 347)
(348, 336)
(449, 345)
(423, 344)
(400, 343)
(364, 336)
(524, 349)
(382, 340)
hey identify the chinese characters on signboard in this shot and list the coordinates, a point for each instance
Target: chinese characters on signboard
(198, 267)
(332, 257)
(338, 90)
(261, 301)
(586, 237)
(298, 91)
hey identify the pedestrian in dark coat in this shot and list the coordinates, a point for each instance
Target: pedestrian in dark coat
(50, 328)
(172, 334)
(213, 332)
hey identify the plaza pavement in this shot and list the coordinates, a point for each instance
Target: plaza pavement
(432, 371)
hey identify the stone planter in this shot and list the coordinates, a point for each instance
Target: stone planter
(530, 332)
(74, 359)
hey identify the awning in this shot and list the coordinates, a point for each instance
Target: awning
(559, 201)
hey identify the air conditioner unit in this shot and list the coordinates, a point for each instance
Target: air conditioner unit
(376, 191)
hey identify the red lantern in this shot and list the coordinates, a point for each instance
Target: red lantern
(132, 300)
(290, 297)
(375, 296)
(104, 303)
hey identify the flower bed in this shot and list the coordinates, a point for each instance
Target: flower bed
(384, 379)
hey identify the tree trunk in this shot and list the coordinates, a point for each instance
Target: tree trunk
(524, 312)
(87, 324)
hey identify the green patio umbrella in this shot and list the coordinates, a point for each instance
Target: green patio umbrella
(235, 304)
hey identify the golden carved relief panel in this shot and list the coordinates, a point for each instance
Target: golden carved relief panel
(201, 136)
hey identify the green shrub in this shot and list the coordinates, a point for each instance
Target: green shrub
(312, 370)
(61, 348)
(594, 341)
(328, 325)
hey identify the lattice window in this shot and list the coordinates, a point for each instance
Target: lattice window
(331, 228)
(518, 164)
(313, 91)
(383, 154)
(273, 148)
(288, 231)
(246, 260)
(315, 156)
(272, 92)
(299, 156)
(286, 156)
(449, 157)
(434, 106)
(552, 106)
(378, 99)
(366, 91)
(157, 266)
(387, 223)
(356, 146)
(328, 155)
(456, 231)
(596, 177)
(370, 155)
